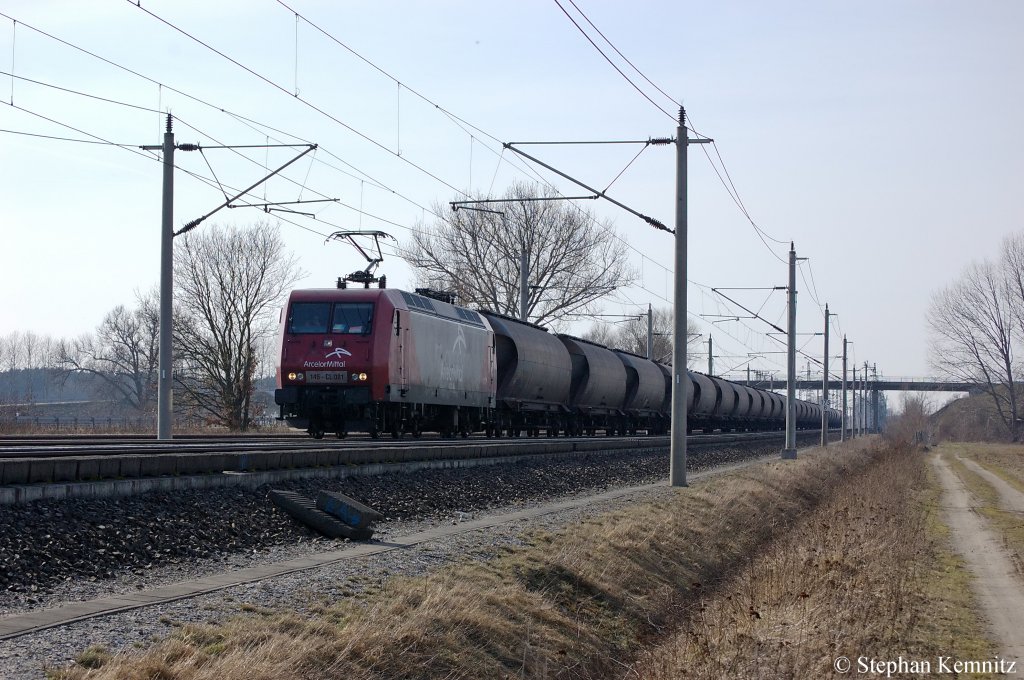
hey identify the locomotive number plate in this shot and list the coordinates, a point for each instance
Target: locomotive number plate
(326, 377)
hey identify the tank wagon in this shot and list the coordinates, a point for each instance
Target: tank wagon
(390, 361)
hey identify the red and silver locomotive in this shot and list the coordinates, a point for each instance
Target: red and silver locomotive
(383, 360)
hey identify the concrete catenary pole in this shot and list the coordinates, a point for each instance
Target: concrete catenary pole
(824, 386)
(864, 427)
(790, 451)
(875, 402)
(524, 284)
(680, 380)
(842, 426)
(863, 400)
(165, 395)
(711, 356)
(650, 332)
(853, 408)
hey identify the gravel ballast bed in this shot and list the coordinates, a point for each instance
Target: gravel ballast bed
(201, 533)
(29, 656)
(69, 550)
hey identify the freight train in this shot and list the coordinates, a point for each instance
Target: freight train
(386, 361)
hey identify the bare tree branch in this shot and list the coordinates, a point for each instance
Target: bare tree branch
(976, 326)
(123, 353)
(573, 259)
(631, 336)
(229, 282)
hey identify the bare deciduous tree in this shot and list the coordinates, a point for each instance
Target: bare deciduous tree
(976, 328)
(630, 335)
(574, 261)
(13, 351)
(228, 283)
(123, 352)
(912, 424)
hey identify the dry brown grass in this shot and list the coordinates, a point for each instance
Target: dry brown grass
(585, 602)
(869, 573)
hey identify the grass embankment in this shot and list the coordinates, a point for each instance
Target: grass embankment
(868, 574)
(790, 563)
(1004, 461)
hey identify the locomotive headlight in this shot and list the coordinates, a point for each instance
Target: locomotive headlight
(296, 376)
(362, 376)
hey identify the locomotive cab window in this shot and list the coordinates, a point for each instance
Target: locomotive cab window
(309, 317)
(352, 318)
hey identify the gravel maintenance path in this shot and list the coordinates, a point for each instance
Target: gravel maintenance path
(997, 585)
(1009, 496)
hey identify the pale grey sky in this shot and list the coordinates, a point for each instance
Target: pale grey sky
(882, 137)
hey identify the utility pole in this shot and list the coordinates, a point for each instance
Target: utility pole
(842, 430)
(680, 381)
(650, 332)
(524, 284)
(864, 400)
(748, 375)
(165, 358)
(790, 451)
(824, 386)
(874, 400)
(853, 409)
(711, 356)
(165, 395)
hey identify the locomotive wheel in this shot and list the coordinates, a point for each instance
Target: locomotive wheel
(342, 434)
(317, 434)
(374, 434)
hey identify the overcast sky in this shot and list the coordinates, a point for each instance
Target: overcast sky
(883, 138)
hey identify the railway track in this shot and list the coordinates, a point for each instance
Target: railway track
(54, 447)
(100, 537)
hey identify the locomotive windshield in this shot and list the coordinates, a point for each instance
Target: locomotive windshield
(309, 317)
(352, 318)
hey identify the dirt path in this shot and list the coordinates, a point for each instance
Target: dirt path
(1012, 498)
(999, 590)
